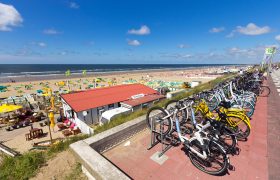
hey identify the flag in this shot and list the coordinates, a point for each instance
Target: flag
(68, 73)
(270, 50)
(84, 72)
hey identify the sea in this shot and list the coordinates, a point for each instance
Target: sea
(27, 70)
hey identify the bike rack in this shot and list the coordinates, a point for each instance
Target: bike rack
(159, 137)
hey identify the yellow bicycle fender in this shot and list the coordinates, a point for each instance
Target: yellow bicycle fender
(242, 118)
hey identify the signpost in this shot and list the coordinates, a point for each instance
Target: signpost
(268, 57)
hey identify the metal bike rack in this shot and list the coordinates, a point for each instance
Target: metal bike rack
(159, 137)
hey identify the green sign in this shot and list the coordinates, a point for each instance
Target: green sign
(270, 51)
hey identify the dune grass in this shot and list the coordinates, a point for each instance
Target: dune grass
(27, 165)
(21, 167)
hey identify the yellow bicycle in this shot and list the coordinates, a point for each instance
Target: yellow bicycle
(233, 118)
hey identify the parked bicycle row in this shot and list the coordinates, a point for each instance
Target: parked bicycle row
(210, 123)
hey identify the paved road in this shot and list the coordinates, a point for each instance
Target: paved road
(273, 135)
(275, 75)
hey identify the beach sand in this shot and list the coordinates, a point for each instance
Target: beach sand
(81, 83)
(16, 139)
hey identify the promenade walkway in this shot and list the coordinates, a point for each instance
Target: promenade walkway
(133, 158)
(274, 126)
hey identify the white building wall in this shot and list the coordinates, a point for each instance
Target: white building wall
(81, 121)
(83, 126)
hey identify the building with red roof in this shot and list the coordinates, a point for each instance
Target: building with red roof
(88, 106)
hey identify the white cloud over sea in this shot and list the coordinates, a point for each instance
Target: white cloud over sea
(9, 17)
(74, 5)
(133, 42)
(144, 30)
(216, 29)
(51, 31)
(250, 29)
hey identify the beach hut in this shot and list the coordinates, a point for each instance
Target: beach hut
(85, 108)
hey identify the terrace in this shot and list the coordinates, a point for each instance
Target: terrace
(121, 153)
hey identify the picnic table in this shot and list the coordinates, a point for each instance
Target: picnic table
(34, 133)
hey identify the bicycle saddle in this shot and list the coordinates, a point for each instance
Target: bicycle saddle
(225, 104)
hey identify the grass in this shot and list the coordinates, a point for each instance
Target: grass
(27, 165)
(21, 167)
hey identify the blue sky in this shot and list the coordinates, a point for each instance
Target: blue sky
(136, 32)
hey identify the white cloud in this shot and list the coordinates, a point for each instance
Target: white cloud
(67, 52)
(277, 37)
(251, 29)
(133, 42)
(51, 31)
(41, 44)
(181, 46)
(144, 30)
(177, 55)
(74, 5)
(216, 29)
(63, 53)
(253, 52)
(9, 17)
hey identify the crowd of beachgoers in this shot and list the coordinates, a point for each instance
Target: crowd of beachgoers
(154, 79)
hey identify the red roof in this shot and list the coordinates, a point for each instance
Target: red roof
(145, 99)
(84, 100)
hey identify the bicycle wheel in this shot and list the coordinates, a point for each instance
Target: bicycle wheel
(216, 162)
(228, 139)
(240, 127)
(170, 107)
(212, 101)
(264, 91)
(155, 115)
(249, 108)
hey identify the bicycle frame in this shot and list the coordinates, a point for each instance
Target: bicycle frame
(197, 136)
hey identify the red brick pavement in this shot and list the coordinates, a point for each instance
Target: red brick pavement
(273, 132)
(251, 163)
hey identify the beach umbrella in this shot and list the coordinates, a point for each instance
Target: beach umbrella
(9, 108)
(3, 88)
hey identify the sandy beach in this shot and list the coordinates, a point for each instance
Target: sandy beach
(30, 85)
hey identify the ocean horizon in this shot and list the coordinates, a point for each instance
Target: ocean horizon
(19, 70)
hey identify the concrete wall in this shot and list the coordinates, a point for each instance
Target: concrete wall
(88, 151)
